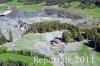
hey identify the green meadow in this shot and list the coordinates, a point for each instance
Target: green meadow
(25, 59)
(22, 44)
(3, 7)
(25, 41)
(21, 5)
(83, 58)
(92, 12)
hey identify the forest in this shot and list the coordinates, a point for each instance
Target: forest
(43, 27)
(3, 38)
(61, 2)
(71, 33)
(19, 53)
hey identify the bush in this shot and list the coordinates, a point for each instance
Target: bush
(2, 38)
(67, 5)
(29, 53)
(92, 6)
(80, 38)
(67, 36)
(3, 49)
(43, 27)
(10, 36)
(28, 3)
(13, 63)
(83, 6)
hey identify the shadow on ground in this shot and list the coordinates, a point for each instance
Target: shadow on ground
(92, 45)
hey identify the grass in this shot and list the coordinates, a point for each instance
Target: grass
(98, 54)
(30, 60)
(30, 6)
(27, 39)
(75, 6)
(20, 5)
(16, 3)
(84, 55)
(92, 12)
(24, 42)
(83, 48)
(3, 7)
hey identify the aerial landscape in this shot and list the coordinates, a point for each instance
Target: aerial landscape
(49, 32)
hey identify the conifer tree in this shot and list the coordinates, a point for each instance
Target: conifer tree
(10, 35)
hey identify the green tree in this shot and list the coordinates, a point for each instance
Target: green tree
(10, 35)
(90, 33)
(67, 36)
(3, 49)
(80, 37)
(97, 41)
(74, 32)
(2, 38)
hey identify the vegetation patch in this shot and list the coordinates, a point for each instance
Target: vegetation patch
(92, 12)
(27, 39)
(43, 27)
(3, 8)
(25, 59)
(23, 5)
(85, 58)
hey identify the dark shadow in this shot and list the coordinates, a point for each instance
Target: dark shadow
(2, 15)
(97, 3)
(89, 44)
(97, 49)
(92, 45)
(58, 38)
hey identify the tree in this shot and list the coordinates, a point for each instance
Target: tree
(94, 36)
(74, 32)
(97, 41)
(2, 38)
(67, 36)
(10, 35)
(90, 33)
(3, 49)
(80, 37)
